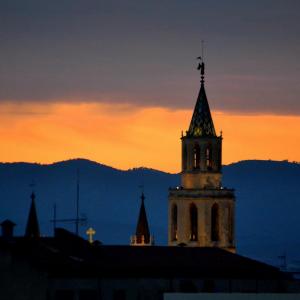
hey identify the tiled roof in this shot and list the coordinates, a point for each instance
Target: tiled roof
(201, 123)
(69, 255)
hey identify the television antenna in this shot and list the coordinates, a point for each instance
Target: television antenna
(77, 220)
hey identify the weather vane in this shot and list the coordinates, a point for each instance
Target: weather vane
(201, 62)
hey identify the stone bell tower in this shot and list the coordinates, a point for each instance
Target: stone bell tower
(201, 211)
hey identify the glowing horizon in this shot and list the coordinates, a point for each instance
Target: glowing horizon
(118, 88)
(125, 136)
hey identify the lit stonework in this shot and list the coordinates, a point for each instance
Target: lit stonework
(201, 211)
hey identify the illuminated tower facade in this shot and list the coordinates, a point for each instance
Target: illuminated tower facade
(201, 211)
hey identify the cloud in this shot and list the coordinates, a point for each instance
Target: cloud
(142, 137)
(143, 53)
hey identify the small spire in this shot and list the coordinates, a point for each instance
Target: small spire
(142, 228)
(32, 227)
(7, 228)
(142, 233)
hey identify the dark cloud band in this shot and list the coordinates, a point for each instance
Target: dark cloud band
(143, 53)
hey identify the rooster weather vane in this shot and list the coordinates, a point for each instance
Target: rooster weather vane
(201, 62)
(201, 68)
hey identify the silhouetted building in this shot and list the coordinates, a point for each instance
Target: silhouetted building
(7, 227)
(142, 235)
(68, 267)
(32, 227)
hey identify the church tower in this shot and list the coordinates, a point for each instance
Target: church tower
(201, 211)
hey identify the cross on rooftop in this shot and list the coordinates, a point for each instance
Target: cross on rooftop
(90, 232)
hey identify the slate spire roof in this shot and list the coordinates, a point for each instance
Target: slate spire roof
(201, 123)
(142, 228)
(32, 227)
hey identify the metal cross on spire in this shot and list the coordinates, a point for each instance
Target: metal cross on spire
(142, 194)
(32, 186)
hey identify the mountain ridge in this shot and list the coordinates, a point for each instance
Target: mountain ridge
(92, 162)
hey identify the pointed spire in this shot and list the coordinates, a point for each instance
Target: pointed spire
(32, 227)
(142, 228)
(201, 123)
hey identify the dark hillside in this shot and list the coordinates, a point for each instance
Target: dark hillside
(267, 214)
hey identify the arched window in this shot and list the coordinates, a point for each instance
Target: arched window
(208, 156)
(174, 222)
(215, 223)
(196, 163)
(194, 223)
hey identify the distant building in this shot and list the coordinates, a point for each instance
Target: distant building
(201, 211)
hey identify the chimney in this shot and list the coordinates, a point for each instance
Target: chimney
(7, 229)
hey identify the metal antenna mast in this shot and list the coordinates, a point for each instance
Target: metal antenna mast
(77, 221)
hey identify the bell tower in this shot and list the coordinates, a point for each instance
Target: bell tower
(201, 211)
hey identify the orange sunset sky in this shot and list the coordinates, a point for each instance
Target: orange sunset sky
(123, 136)
(116, 81)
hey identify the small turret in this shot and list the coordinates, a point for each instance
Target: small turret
(32, 227)
(7, 229)
(142, 235)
